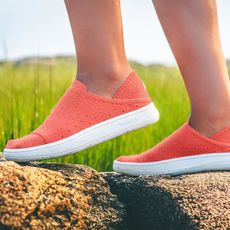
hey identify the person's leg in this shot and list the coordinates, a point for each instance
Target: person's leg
(98, 37)
(191, 28)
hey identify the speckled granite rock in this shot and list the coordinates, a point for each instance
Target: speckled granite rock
(53, 196)
(189, 202)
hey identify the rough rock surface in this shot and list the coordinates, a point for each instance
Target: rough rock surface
(188, 202)
(53, 196)
(57, 196)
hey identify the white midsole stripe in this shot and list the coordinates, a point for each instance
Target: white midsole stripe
(175, 166)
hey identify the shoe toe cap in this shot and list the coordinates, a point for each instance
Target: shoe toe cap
(128, 159)
(31, 140)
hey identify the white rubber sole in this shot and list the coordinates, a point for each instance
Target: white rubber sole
(176, 166)
(89, 137)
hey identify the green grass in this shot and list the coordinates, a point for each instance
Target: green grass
(29, 91)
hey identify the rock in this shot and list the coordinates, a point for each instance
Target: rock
(188, 202)
(56, 196)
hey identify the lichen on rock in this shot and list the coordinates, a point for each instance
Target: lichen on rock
(53, 196)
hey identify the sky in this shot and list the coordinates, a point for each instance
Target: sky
(41, 28)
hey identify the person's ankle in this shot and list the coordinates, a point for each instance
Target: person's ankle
(104, 82)
(209, 124)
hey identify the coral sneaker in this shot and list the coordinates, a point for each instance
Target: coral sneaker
(184, 151)
(82, 119)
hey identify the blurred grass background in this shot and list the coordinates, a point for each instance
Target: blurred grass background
(30, 88)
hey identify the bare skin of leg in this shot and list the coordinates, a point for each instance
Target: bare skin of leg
(98, 36)
(191, 28)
